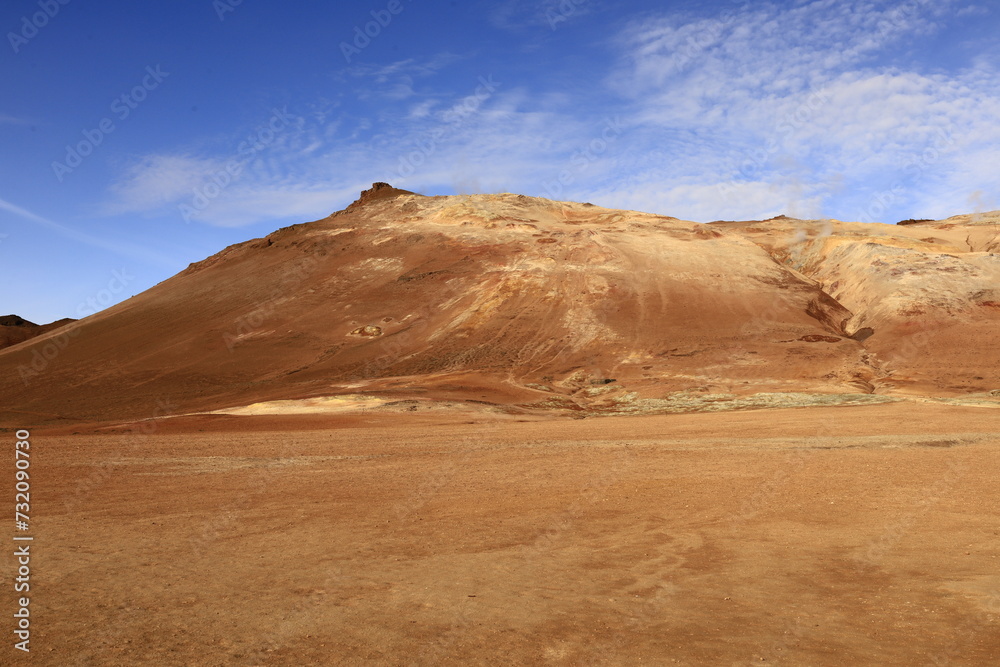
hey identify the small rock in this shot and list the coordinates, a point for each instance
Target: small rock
(367, 331)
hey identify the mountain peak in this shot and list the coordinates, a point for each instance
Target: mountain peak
(376, 192)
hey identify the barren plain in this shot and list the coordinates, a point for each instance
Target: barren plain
(859, 535)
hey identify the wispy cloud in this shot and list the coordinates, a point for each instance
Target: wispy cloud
(767, 96)
(285, 184)
(413, 67)
(12, 120)
(124, 249)
(320, 163)
(158, 180)
(397, 80)
(519, 15)
(973, 10)
(763, 110)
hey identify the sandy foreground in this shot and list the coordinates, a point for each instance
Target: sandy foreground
(860, 535)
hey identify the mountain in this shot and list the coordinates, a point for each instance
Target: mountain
(930, 291)
(14, 329)
(538, 306)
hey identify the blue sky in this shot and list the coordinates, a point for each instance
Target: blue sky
(136, 138)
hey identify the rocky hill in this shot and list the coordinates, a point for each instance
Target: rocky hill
(535, 305)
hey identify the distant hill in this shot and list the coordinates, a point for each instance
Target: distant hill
(533, 304)
(15, 329)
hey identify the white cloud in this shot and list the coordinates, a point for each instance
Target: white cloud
(518, 15)
(705, 202)
(284, 183)
(397, 80)
(770, 95)
(307, 171)
(411, 67)
(765, 111)
(973, 10)
(244, 205)
(422, 109)
(158, 180)
(12, 120)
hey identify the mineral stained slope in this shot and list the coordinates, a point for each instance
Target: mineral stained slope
(930, 291)
(535, 305)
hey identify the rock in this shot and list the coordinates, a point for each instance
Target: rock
(367, 331)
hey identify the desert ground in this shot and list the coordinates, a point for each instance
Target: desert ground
(850, 535)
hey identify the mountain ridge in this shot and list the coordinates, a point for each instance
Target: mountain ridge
(529, 304)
